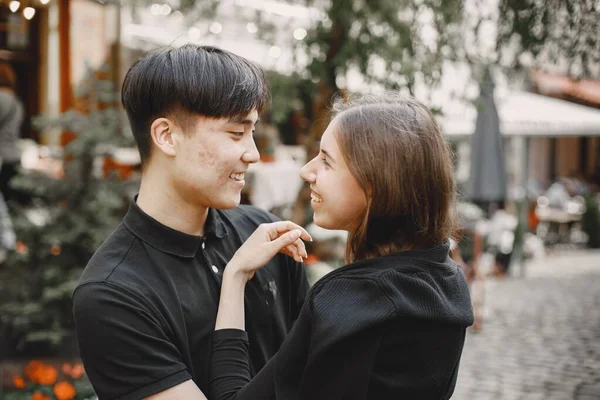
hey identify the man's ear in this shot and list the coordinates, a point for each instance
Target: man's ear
(162, 132)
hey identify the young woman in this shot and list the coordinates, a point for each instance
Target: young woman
(391, 324)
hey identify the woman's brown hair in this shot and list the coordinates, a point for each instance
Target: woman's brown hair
(394, 149)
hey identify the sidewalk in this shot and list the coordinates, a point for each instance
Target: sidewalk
(541, 334)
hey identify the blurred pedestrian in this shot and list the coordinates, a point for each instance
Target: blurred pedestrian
(12, 114)
(7, 232)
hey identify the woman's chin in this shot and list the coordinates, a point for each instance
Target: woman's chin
(323, 222)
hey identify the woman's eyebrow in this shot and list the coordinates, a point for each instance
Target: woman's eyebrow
(327, 155)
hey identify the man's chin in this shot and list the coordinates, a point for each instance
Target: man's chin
(226, 204)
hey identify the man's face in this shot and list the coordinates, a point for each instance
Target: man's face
(211, 159)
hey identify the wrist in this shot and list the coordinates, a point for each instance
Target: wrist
(235, 275)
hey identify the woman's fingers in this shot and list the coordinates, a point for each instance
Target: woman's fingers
(281, 229)
(296, 250)
(275, 229)
(286, 240)
(299, 244)
(292, 251)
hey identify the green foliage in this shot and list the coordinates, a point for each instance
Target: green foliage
(287, 94)
(362, 33)
(551, 31)
(67, 220)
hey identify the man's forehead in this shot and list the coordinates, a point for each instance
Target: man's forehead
(250, 119)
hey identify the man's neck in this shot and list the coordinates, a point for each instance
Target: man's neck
(167, 207)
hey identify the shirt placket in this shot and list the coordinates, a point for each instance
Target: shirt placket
(216, 271)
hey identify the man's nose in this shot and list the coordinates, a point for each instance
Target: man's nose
(251, 155)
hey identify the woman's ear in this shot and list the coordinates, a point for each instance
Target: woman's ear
(162, 131)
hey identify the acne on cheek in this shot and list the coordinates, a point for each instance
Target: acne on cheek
(206, 157)
(206, 160)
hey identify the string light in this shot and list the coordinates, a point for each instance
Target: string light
(194, 33)
(215, 28)
(251, 27)
(165, 9)
(300, 33)
(275, 52)
(28, 12)
(14, 5)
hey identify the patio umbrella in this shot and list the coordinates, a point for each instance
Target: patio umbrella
(487, 180)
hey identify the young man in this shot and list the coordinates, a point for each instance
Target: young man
(146, 304)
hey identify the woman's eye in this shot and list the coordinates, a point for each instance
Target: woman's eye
(325, 162)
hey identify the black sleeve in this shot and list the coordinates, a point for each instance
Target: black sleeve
(298, 279)
(230, 369)
(125, 349)
(300, 285)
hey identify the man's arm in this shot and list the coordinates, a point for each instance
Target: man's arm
(186, 390)
(126, 346)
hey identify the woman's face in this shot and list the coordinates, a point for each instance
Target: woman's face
(336, 197)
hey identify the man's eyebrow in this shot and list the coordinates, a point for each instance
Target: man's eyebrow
(327, 155)
(242, 121)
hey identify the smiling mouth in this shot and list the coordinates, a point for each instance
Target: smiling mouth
(237, 177)
(315, 198)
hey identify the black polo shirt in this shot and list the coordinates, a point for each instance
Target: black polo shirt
(146, 304)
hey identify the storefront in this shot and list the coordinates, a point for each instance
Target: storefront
(51, 50)
(20, 31)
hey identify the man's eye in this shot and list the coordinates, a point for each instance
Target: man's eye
(237, 134)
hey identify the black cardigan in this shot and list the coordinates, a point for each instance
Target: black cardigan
(386, 328)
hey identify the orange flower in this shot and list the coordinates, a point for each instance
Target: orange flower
(47, 375)
(21, 247)
(19, 382)
(77, 371)
(32, 370)
(66, 369)
(55, 250)
(39, 396)
(64, 391)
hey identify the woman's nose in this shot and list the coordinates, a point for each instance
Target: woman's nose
(307, 172)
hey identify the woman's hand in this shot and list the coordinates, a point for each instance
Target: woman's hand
(266, 241)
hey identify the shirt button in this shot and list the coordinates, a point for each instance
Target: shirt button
(203, 245)
(215, 269)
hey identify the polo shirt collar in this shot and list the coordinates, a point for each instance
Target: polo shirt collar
(169, 240)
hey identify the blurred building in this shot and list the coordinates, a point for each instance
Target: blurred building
(579, 154)
(21, 26)
(50, 44)
(544, 137)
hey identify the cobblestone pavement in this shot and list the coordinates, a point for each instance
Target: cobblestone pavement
(540, 336)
